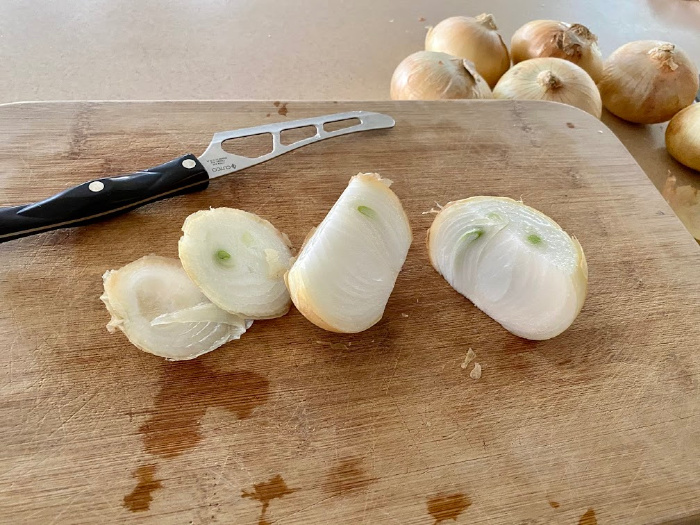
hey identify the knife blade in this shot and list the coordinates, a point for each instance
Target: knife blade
(106, 197)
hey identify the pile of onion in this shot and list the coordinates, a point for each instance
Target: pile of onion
(648, 81)
(427, 75)
(551, 79)
(550, 38)
(476, 39)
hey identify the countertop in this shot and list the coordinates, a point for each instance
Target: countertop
(304, 50)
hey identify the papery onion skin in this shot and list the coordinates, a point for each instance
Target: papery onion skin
(347, 268)
(537, 239)
(152, 287)
(648, 81)
(553, 80)
(476, 39)
(428, 75)
(683, 136)
(233, 267)
(551, 38)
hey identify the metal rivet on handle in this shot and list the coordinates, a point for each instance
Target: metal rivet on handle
(96, 185)
(189, 163)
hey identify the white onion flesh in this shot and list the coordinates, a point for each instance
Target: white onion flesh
(162, 312)
(346, 270)
(513, 262)
(238, 260)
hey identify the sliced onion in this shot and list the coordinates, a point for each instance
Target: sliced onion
(162, 312)
(238, 260)
(513, 262)
(344, 275)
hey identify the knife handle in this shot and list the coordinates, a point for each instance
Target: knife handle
(99, 199)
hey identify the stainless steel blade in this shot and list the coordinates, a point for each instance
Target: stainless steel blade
(218, 162)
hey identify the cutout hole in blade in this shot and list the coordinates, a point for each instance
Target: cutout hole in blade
(292, 135)
(341, 124)
(252, 146)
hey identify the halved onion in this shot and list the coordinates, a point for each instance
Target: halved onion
(347, 268)
(238, 260)
(162, 312)
(513, 262)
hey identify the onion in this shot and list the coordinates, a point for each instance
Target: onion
(551, 79)
(427, 75)
(238, 260)
(648, 81)
(683, 137)
(346, 270)
(549, 38)
(513, 262)
(475, 39)
(162, 312)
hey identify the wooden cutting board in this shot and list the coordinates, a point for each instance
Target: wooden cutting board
(294, 425)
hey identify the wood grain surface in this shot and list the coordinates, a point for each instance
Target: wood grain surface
(294, 425)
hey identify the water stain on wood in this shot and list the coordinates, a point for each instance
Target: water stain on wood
(139, 500)
(445, 507)
(588, 518)
(554, 504)
(347, 476)
(265, 492)
(189, 389)
(282, 110)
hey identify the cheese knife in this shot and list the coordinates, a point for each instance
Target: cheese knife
(99, 199)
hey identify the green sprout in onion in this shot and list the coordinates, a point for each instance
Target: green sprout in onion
(223, 255)
(247, 239)
(223, 258)
(367, 212)
(535, 239)
(471, 236)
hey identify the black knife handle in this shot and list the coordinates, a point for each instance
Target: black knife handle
(99, 199)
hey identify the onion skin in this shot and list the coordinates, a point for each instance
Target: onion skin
(476, 39)
(513, 262)
(550, 38)
(347, 268)
(683, 137)
(553, 80)
(428, 75)
(648, 81)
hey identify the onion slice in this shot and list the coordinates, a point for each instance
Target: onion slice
(238, 260)
(162, 312)
(347, 268)
(513, 262)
